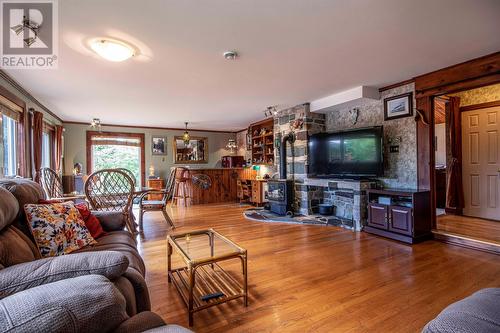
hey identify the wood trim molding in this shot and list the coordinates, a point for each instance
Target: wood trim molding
(464, 76)
(395, 85)
(151, 127)
(465, 241)
(479, 106)
(140, 136)
(13, 98)
(483, 71)
(16, 85)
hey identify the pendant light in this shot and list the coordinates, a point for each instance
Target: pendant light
(186, 137)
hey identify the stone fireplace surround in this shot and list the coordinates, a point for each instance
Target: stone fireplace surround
(347, 196)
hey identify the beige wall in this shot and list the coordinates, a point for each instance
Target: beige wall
(75, 147)
(479, 95)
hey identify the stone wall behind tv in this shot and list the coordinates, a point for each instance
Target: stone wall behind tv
(400, 168)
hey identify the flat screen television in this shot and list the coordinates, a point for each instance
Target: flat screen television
(348, 154)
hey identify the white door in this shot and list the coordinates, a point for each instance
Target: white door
(481, 162)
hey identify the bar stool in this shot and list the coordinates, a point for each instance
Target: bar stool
(181, 188)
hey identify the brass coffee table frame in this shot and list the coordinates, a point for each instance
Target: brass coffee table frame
(210, 276)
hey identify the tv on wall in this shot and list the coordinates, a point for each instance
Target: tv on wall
(348, 154)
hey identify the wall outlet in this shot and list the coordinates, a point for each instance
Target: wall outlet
(394, 149)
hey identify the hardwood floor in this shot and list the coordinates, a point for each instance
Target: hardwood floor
(309, 278)
(470, 226)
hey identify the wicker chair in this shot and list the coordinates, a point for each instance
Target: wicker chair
(51, 183)
(130, 174)
(111, 190)
(157, 205)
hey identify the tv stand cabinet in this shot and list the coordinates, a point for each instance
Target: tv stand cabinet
(403, 215)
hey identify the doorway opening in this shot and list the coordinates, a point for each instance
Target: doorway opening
(110, 150)
(467, 163)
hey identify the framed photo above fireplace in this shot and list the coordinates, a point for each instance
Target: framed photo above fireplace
(398, 106)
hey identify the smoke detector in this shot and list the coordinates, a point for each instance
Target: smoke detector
(230, 55)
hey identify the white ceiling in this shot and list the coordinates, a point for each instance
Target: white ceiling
(292, 52)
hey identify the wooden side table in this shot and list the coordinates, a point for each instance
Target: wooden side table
(156, 184)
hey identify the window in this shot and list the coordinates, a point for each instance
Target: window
(11, 150)
(48, 146)
(108, 150)
(46, 150)
(9, 131)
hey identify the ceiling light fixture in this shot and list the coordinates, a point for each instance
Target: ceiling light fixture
(186, 137)
(112, 49)
(230, 55)
(231, 145)
(271, 111)
(96, 124)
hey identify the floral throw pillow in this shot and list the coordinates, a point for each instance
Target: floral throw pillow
(57, 228)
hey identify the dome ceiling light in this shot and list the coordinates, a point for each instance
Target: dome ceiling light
(112, 49)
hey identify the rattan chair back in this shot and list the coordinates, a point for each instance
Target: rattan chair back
(51, 183)
(130, 174)
(110, 190)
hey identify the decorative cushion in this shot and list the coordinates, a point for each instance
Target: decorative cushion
(91, 221)
(57, 228)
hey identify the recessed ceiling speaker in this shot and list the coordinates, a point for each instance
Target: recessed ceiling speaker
(230, 55)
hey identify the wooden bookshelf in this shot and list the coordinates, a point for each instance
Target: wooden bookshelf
(263, 142)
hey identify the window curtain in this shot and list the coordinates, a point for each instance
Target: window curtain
(58, 131)
(454, 190)
(37, 133)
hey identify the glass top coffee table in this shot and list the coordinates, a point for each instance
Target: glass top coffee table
(202, 282)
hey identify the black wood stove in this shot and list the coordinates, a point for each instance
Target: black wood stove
(281, 191)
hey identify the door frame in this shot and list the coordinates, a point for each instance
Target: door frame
(139, 136)
(468, 75)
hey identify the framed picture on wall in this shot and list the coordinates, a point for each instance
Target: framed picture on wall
(398, 106)
(159, 145)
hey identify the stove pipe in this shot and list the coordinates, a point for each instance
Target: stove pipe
(289, 137)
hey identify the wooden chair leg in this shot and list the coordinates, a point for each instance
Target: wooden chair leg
(175, 196)
(184, 194)
(141, 217)
(167, 218)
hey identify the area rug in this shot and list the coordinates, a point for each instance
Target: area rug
(263, 215)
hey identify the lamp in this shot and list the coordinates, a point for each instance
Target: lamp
(186, 137)
(231, 145)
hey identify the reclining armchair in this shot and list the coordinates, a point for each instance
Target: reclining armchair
(99, 289)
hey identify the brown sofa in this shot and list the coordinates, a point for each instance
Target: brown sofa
(22, 269)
